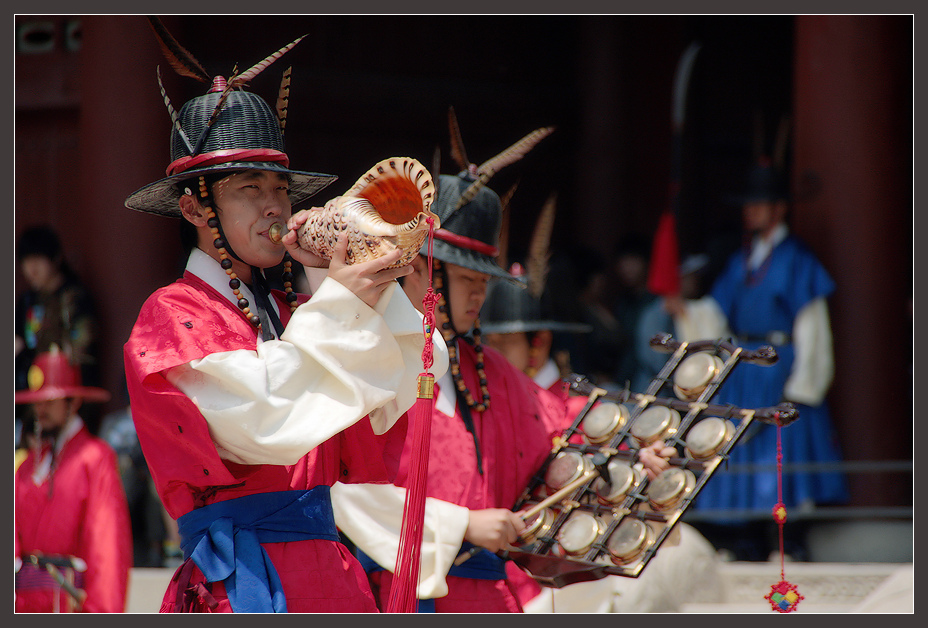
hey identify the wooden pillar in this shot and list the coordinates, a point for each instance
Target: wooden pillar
(852, 154)
(121, 111)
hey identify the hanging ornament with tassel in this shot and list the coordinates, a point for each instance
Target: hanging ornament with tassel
(784, 596)
(403, 597)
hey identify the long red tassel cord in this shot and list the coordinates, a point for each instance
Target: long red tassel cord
(783, 596)
(406, 572)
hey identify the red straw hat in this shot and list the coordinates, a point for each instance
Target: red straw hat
(51, 376)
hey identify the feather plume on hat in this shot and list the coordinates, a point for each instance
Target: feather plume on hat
(227, 129)
(485, 171)
(185, 64)
(539, 255)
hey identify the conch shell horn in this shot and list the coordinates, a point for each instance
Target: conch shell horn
(387, 208)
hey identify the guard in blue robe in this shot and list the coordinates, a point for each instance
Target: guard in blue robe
(774, 292)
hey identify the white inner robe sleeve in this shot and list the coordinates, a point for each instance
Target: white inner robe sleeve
(702, 319)
(337, 361)
(371, 515)
(814, 363)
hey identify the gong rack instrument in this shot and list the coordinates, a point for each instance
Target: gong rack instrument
(590, 511)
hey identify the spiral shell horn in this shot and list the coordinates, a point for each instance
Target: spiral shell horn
(387, 208)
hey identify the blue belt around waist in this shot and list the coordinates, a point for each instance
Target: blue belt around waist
(482, 565)
(224, 540)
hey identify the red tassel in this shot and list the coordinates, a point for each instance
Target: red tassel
(784, 596)
(664, 270)
(406, 571)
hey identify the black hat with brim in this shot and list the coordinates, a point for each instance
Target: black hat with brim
(161, 197)
(510, 308)
(244, 135)
(764, 183)
(469, 235)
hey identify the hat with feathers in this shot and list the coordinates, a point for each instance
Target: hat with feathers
(225, 130)
(470, 212)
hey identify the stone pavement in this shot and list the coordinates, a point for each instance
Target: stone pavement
(825, 587)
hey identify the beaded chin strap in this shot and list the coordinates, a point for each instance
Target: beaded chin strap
(449, 334)
(226, 262)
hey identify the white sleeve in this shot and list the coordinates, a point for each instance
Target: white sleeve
(813, 365)
(703, 319)
(371, 515)
(337, 361)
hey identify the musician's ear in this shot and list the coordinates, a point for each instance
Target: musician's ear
(420, 269)
(416, 284)
(192, 210)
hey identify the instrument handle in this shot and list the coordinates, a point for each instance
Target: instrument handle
(79, 595)
(534, 510)
(558, 496)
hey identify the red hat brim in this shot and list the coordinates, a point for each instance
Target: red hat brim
(49, 393)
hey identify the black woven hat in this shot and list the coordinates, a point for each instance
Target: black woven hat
(764, 182)
(469, 235)
(510, 308)
(245, 135)
(225, 130)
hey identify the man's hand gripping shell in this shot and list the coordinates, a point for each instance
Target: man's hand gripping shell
(367, 279)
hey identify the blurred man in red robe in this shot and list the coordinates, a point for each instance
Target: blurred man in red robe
(72, 536)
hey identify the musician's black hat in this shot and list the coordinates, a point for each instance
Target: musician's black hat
(469, 235)
(226, 130)
(245, 135)
(510, 308)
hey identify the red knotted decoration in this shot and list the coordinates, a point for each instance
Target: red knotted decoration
(783, 596)
(406, 572)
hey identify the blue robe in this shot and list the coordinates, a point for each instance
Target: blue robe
(756, 303)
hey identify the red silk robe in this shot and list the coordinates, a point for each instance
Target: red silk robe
(317, 575)
(78, 510)
(515, 435)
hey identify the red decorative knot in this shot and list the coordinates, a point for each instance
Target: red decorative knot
(779, 514)
(428, 324)
(219, 84)
(784, 597)
(429, 301)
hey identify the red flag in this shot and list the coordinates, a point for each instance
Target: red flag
(664, 270)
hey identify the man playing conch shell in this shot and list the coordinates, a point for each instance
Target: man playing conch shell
(249, 403)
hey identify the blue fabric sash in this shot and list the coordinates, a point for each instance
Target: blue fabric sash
(224, 540)
(483, 565)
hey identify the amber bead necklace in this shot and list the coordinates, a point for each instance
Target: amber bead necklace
(448, 333)
(212, 220)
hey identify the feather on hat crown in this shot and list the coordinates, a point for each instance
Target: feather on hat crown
(470, 212)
